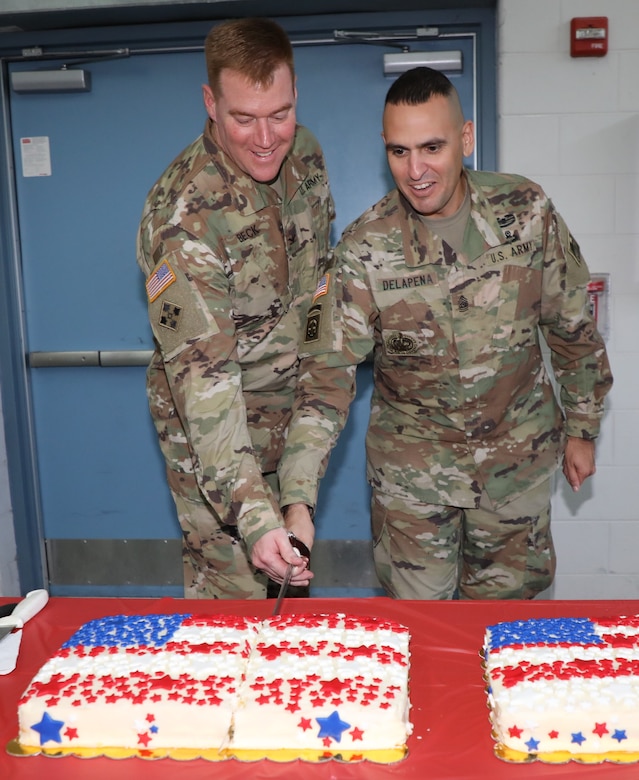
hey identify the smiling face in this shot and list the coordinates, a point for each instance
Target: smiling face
(426, 145)
(254, 123)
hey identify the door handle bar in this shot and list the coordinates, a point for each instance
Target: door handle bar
(101, 358)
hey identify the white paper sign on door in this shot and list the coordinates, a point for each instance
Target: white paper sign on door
(36, 156)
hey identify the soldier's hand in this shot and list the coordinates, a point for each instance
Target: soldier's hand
(579, 461)
(273, 552)
(299, 521)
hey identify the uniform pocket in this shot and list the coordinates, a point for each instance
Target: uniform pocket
(520, 306)
(381, 544)
(413, 341)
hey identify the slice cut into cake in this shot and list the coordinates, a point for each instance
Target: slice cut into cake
(325, 682)
(140, 682)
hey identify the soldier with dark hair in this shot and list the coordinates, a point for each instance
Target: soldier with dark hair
(232, 241)
(450, 281)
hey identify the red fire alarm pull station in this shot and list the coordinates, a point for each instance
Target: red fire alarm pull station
(589, 36)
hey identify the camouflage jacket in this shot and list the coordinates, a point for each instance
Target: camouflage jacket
(462, 399)
(230, 267)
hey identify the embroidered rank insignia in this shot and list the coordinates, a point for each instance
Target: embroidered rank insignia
(170, 314)
(160, 279)
(506, 220)
(322, 287)
(313, 322)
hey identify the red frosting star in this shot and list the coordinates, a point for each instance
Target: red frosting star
(55, 686)
(271, 652)
(600, 729)
(335, 686)
(165, 682)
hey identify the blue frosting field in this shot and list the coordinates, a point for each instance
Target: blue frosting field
(127, 631)
(548, 631)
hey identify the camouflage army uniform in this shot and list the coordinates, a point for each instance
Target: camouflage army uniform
(230, 266)
(463, 414)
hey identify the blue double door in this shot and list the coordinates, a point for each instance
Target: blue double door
(99, 472)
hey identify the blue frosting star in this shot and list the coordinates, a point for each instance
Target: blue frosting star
(333, 726)
(154, 729)
(48, 729)
(532, 744)
(619, 735)
(578, 738)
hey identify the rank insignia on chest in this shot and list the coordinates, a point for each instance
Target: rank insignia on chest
(506, 220)
(401, 344)
(313, 322)
(170, 314)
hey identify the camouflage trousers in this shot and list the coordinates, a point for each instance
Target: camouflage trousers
(422, 551)
(216, 562)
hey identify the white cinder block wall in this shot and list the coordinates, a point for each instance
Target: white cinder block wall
(573, 125)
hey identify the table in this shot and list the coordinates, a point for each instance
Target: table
(451, 738)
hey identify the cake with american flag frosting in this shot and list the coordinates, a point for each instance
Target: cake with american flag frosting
(564, 688)
(310, 686)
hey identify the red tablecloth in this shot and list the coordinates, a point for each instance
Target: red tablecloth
(451, 738)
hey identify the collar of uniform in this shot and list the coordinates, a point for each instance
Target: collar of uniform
(483, 214)
(295, 171)
(421, 246)
(247, 195)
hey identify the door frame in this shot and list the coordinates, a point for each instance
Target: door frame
(15, 389)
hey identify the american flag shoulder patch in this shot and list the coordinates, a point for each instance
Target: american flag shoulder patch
(162, 278)
(322, 287)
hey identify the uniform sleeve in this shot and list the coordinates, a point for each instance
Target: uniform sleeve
(190, 314)
(337, 337)
(577, 350)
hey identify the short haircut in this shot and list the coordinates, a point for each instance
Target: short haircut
(253, 47)
(419, 85)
